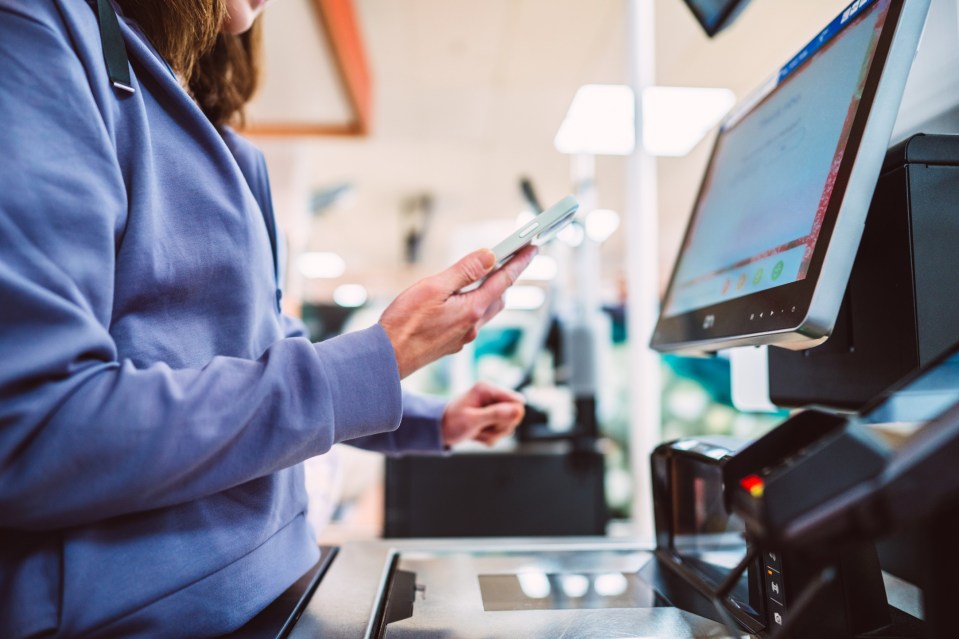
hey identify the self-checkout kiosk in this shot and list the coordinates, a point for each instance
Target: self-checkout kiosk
(779, 536)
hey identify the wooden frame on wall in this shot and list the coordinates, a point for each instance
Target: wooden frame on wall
(338, 24)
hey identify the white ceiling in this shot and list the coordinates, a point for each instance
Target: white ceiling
(300, 83)
(467, 98)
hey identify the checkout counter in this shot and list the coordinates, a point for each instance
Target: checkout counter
(750, 541)
(470, 588)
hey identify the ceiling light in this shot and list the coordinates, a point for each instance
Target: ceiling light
(675, 119)
(524, 298)
(601, 224)
(600, 121)
(534, 585)
(572, 235)
(611, 584)
(350, 295)
(574, 586)
(543, 268)
(319, 265)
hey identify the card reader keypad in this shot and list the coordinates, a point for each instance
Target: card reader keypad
(775, 592)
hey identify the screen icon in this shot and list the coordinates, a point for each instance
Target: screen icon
(777, 270)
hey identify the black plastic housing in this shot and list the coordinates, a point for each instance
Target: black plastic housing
(901, 307)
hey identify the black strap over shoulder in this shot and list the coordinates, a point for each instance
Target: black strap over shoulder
(114, 49)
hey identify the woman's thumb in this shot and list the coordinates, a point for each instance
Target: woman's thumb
(466, 271)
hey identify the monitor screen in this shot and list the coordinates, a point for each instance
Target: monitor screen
(715, 15)
(788, 184)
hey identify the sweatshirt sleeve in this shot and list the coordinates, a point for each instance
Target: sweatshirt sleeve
(84, 434)
(293, 327)
(419, 432)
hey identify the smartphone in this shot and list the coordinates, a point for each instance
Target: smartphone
(538, 231)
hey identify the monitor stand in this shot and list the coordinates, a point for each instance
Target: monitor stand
(901, 307)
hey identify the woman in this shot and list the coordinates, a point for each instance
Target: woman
(155, 405)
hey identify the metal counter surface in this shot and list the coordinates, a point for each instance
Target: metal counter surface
(450, 603)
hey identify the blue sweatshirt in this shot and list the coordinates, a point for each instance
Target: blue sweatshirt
(155, 405)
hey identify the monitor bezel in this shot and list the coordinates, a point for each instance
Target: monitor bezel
(801, 314)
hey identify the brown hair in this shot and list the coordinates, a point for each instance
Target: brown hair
(220, 70)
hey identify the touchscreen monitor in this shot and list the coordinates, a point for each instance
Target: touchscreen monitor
(778, 219)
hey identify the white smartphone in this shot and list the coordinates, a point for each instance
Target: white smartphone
(538, 231)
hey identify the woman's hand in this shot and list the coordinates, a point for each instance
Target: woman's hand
(432, 318)
(485, 414)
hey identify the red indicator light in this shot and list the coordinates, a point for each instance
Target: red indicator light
(753, 484)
